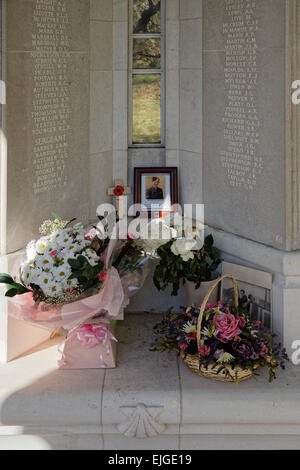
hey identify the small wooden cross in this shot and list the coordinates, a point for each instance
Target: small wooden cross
(119, 191)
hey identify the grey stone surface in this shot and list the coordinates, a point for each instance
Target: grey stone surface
(244, 100)
(42, 407)
(47, 114)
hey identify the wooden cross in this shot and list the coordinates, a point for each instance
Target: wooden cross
(120, 191)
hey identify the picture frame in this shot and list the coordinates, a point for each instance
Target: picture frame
(156, 189)
(255, 291)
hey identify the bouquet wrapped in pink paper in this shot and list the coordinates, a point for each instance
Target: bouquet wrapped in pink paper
(74, 279)
(67, 279)
(89, 346)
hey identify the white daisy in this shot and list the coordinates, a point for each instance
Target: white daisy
(69, 284)
(55, 289)
(226, 358)
(27, 271)
(44, 262)
(41, 245)
(62, 273)
(189, 328)
(45, 280)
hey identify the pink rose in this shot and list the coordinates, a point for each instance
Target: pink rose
(227, 325)
(242, 322)
(102, 276)
(183, 346)
(204, 350)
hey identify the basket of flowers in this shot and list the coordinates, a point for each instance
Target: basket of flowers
(220, 342)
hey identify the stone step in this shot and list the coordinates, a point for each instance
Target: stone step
(151, 401)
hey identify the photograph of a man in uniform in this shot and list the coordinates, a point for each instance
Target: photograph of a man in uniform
(155, 192)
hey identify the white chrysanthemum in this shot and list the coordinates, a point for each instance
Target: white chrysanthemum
(82, 244)
(92, 256)
(44, 262)
(42, 245)
(63, 238)
(189, 328)
(69, 284)
(54, 289)
(206, 332)
(226, 358)
(79, 234)
(45, 280)
(62, 273)
(27, 272)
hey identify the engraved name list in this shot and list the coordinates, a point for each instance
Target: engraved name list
(241, 123)
(51, 108)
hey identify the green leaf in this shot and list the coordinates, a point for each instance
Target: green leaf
(12, 291)
(74, 263)
(6, 279)
(56, 216)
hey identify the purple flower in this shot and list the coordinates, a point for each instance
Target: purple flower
(243, 349)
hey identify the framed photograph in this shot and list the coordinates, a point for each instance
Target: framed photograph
(156, 189)
(255, 291)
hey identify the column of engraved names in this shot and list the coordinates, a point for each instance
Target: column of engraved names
(241, 123)
(51, 95)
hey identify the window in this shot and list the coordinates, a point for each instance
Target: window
(146, 75)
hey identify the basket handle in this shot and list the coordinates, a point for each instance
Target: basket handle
(206, 298)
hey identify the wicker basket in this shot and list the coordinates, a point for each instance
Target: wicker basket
(236, 374)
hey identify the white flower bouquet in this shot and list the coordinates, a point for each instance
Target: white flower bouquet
(66, 279)
(183, 253)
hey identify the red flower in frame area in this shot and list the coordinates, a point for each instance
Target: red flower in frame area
(119, 190)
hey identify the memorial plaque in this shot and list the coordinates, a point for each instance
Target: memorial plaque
(47, 114)
(244, 118)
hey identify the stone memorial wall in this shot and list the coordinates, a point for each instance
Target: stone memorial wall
(47, 114)
(244, 118)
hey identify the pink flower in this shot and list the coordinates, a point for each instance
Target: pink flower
(53, 254)
(192, 336)
(183, 346)
(91, 234)
(204, 350)
(242, 322)
(102, 276)
(264, 351)
(227, 325)
(130, 236)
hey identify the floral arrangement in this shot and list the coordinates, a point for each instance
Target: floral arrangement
(61, 266)
(182, 251)
(229, 338)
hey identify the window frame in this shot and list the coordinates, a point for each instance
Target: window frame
(161, 72)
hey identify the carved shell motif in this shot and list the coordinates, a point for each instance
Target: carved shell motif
(141, 424)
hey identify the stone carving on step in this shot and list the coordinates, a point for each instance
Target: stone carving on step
(141, 424)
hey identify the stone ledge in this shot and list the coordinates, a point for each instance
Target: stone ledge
(43, 407)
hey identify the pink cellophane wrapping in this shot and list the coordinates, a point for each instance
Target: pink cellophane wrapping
(109, 300)
(89, 346)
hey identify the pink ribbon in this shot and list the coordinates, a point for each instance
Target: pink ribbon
(90, 336)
